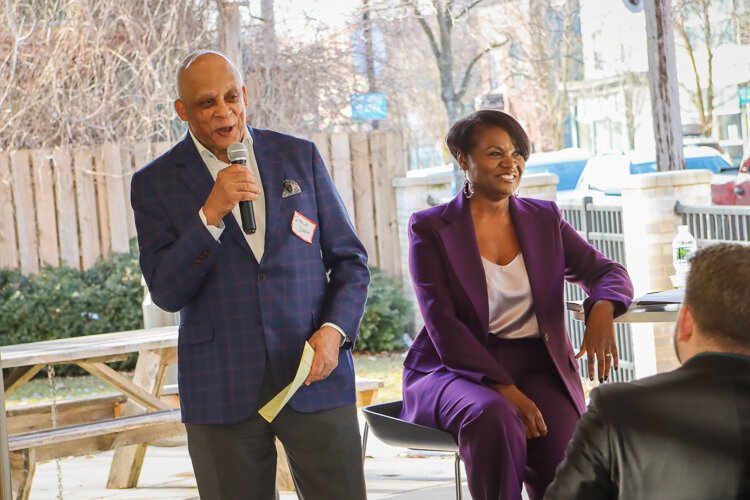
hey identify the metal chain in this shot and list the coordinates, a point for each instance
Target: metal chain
(51, 380)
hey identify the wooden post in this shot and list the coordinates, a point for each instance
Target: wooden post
(665, 98)
(322, 142)
(65, 196)
(44, 200)
(110, 182)
(23, 194)
(341, 165)
(8, 242)
(363, 194)
(128, 460)
(387, 159)
(126, 154)
(5, 486)
(87, 208)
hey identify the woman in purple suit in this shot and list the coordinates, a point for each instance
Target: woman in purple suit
(493, 365)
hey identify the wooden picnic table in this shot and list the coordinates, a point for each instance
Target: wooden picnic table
(145, 417)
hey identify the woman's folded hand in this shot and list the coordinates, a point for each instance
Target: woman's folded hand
(530, 415)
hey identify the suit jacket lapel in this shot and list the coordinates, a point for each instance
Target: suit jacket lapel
(460, 243)
(533, 248)
(195, 175)
(271, 177)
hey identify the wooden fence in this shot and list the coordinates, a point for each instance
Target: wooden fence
(71, 206)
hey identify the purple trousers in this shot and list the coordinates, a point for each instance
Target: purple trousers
(491, 438)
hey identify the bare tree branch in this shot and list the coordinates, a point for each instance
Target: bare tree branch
(426, 28)
(465, 10)
(470, 68)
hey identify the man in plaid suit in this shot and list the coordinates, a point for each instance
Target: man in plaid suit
(248, 302)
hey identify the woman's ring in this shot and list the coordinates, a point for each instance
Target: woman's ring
(608, 355)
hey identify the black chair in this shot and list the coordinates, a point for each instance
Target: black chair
(383, 419)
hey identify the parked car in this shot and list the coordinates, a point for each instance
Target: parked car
(605, 174)
(702, 140)
(741, 187)
(567, 164)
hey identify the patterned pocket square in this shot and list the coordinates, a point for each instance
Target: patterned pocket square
(289, 188)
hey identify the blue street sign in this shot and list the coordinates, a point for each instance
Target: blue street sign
(370, 106)
(744, 94)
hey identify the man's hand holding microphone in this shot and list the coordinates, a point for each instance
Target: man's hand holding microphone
(234, 184)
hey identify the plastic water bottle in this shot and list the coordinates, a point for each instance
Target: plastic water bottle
(683, 247)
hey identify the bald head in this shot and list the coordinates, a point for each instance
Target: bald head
(193, 61)
(212, 100)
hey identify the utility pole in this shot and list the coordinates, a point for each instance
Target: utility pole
(665, 98)
(372, 83)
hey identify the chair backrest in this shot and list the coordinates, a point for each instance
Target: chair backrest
(385, 423)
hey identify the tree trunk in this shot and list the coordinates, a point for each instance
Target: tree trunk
(708, 124)
(451, 101)
(269, 28)
(230, 32)
(627, 93)
(663, 85)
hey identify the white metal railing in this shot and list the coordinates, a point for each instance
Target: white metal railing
(715, 224)
(600, 225)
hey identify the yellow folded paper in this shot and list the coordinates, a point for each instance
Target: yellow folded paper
(273, 407)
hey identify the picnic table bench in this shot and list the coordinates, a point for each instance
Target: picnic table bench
(143, 411)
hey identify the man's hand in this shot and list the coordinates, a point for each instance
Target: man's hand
(599, 340)
(325, 342)
(233, 184)
(530, 415)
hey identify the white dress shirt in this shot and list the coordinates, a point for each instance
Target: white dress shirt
(256, 240)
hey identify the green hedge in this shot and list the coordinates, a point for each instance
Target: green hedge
(63, 302)
(387, 315)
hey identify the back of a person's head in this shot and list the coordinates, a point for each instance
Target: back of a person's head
(718, 294)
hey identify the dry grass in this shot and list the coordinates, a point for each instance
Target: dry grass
(387, 366)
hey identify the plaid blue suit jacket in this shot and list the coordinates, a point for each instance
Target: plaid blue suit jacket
(235, 312)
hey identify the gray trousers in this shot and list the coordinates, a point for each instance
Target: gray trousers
(238, 461)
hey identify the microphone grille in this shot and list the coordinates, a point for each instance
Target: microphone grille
(237, 152)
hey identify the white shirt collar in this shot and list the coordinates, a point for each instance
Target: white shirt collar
(204, 152)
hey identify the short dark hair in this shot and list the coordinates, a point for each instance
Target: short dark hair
(718, 293)
(460, 138)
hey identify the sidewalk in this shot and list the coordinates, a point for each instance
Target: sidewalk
(391, 473)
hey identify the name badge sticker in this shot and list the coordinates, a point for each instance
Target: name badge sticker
(303, 227)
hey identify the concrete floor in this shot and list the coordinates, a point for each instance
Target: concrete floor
(391, 473)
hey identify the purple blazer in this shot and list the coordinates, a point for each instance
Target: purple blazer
(451, 289)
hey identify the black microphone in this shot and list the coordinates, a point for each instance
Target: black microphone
(237, 153)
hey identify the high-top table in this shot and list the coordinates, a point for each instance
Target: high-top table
(658, 307)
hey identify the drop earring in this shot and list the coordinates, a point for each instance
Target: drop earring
(468, 186)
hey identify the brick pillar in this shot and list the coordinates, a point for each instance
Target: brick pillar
(541, 186)
(414, 194)
(649, 225)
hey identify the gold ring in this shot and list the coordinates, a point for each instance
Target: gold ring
(608, 355)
